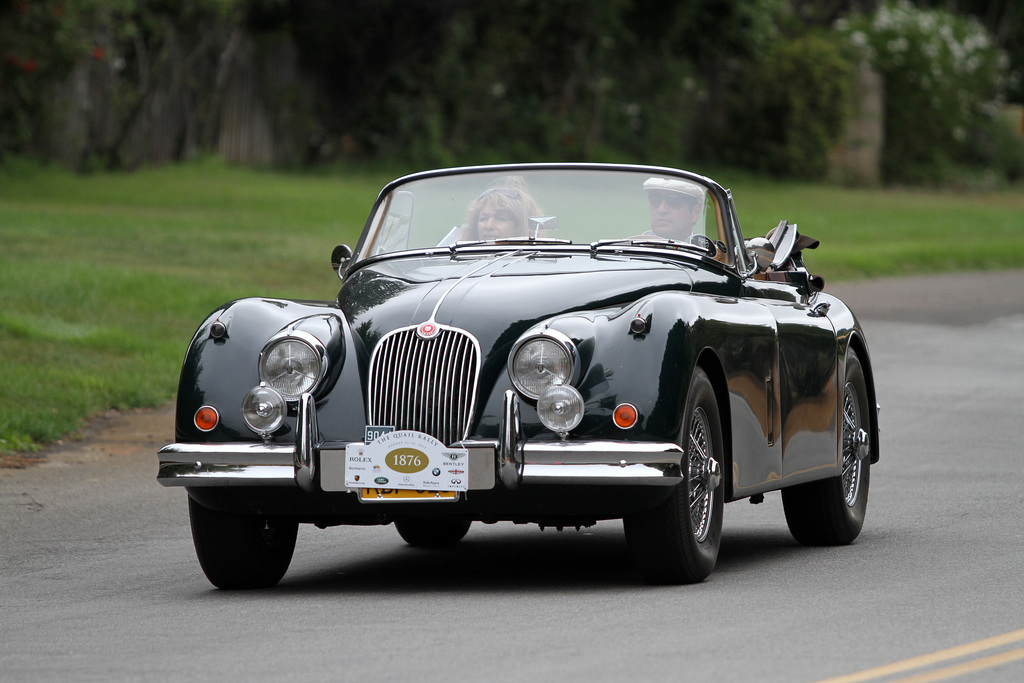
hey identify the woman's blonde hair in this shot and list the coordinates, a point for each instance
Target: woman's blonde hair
(508, 193)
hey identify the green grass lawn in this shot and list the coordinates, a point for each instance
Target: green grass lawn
(105, 277)
(885, 233)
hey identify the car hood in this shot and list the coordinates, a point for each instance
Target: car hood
(496, 297)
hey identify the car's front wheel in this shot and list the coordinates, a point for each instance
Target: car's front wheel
(831, 511)
(239, 550)
(431, 533)
(678, 541)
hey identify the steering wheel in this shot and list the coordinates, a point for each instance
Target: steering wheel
(705, 243)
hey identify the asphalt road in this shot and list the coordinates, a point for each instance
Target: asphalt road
(98, 578)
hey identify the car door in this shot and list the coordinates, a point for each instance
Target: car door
(807, 387)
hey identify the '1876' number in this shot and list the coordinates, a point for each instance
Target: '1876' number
(407, 460)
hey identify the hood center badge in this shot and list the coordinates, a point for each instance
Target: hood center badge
(428, 330)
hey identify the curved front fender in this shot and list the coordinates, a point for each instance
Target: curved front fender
(221, 364)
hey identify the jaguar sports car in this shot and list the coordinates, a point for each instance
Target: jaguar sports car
(555, 344)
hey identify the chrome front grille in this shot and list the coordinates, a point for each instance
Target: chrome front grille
(425, 383)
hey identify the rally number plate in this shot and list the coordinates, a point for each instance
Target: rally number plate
(406, 460)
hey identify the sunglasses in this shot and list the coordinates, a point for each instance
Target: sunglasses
(674, 200)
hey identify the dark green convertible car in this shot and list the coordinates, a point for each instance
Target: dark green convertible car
(556, 344)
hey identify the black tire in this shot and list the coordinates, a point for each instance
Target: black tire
(241, 551)
(432, 533)
(831, 511)
(671, 544)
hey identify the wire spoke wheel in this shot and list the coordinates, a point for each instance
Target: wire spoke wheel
(700, 463)
(831, 511)
(677, 541)
(852, 463)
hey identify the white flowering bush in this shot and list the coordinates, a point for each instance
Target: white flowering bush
(944, 77)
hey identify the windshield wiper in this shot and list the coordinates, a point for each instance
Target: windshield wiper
(510, 241)
(647, 242)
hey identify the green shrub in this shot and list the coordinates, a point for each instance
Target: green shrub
(789, 107)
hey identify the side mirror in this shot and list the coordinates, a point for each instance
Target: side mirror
(761, 252)
(340, 257)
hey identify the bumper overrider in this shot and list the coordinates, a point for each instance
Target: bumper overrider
(510, 460)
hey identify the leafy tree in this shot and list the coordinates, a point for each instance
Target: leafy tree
(788, 109)
(129, 55)
(40, 44)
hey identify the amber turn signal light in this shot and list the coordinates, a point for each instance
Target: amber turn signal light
(625, 415)
(206, 418)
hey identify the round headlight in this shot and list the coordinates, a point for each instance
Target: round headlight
(539, 363)
(292, 365)
(560, 408)
(263, 409)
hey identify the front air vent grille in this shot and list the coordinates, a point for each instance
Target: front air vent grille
(425, 383)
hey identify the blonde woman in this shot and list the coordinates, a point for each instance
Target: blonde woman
(501, 211)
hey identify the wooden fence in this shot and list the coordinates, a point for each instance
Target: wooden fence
(253, 110)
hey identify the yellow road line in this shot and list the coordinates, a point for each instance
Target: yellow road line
(934, 658)
(966, 667)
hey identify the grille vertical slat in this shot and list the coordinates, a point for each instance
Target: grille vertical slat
(458, 368)
(428, 385)
(447, 411)
(440, 392)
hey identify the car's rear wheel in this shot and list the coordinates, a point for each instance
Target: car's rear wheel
(831, 511)
(241, 551)
(678, 541)
(429, 533)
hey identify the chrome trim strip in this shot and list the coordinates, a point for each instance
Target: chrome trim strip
(247, 452)
(602, 473)
(602, 462)
(219, 474)
(461, 279)
(226, 464)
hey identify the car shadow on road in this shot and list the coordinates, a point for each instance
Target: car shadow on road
(536, 561)
(756, 549)
(549, 561)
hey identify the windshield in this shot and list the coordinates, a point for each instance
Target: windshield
(581, 206)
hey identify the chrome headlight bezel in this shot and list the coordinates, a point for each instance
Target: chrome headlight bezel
(558, 342)
(316, 374)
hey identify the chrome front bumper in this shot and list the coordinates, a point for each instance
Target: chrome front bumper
(511, 459)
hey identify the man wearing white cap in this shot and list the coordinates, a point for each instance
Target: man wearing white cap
(676, 206)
